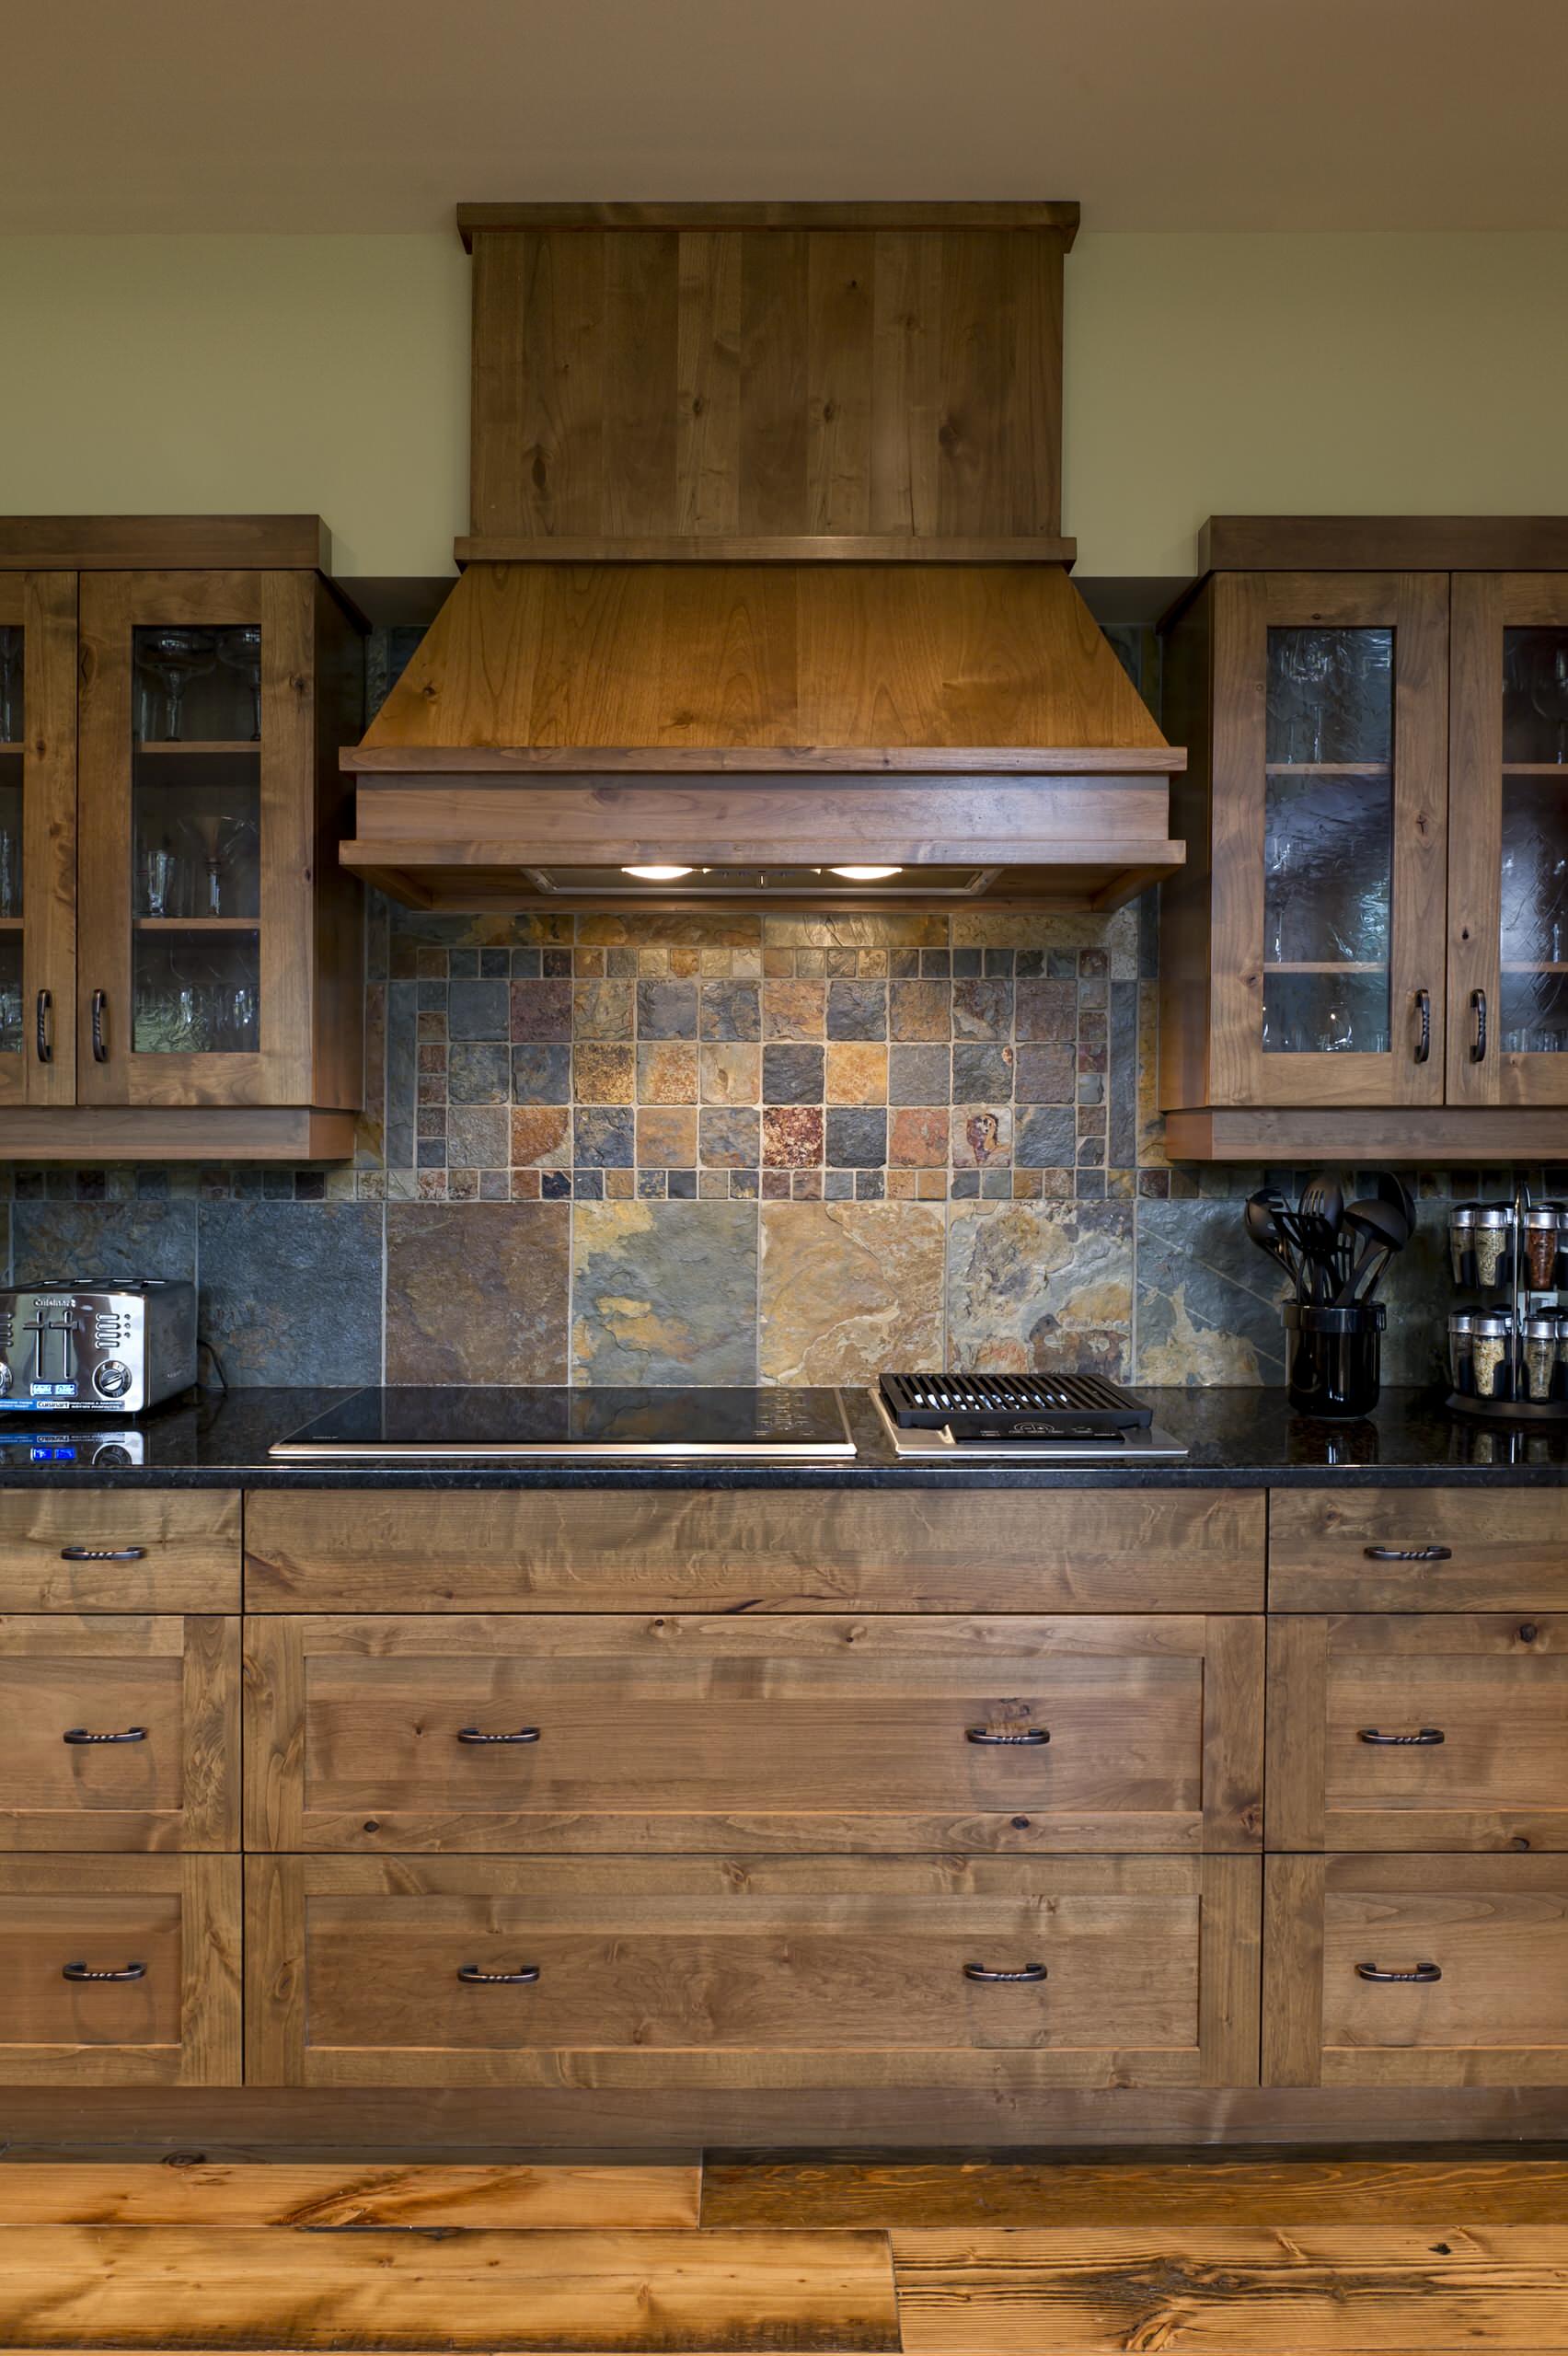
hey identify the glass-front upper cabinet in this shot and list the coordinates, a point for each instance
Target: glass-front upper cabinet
(196, 854)
(1508, 923)
(1330, 724)
(37, 789)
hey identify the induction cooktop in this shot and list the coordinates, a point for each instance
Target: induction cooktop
(519, 1421)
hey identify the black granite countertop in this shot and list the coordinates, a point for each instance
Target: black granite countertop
(1238, 1438)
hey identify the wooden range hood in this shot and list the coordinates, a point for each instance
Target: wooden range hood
(766, 580)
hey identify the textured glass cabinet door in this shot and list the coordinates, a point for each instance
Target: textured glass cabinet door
(1508, 942)
(1328, 777)
(37, 643)
(196, 762)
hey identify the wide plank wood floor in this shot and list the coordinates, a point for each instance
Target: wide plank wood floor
(1258, 2257)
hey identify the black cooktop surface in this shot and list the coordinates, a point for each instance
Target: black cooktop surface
(549, 1420)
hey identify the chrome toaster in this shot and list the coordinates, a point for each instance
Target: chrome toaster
(95, 1347)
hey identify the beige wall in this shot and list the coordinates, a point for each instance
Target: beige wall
(1205, 374)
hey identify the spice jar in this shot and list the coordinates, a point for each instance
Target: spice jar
(1538, 1357)
(1480, 1246)
(1491, 1355)
(1461, 1351)
(1543, 1225)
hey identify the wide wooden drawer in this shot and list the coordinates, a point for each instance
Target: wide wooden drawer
(1427, 1731)
(741, 1971)
(119, 1971)
(118, 1732)
(598, 1732)
(1006, 1549)
(126, 1549)
(1416, 1971)
(1418, 1550)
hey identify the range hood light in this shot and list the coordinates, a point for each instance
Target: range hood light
(866, 874)
(657, 874)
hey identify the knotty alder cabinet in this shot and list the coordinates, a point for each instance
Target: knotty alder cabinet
(180, 970)
(909, 1796)
(1367, 950)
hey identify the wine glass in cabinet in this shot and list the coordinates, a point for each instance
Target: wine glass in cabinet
(38, 789)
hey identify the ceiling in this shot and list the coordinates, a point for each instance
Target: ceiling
(1156, 114)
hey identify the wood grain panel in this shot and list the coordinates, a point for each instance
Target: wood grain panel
(641, 364)
(806, 1734)
(887, 655)
(1373, 1550)
(176, 1787)
(148, 1550)
(708, 396)
(192, 543)
(840, 324)
(1495, 1929)
(760, 1972)
(178, 2024)
(562, 1551)
(827, 2195)
(1498, 1777)
(582, 2197)
(114, 2287)
(1099, 2291)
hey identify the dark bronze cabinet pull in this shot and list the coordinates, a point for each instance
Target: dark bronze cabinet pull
(1424, 1009)
(1409, 1554)
(1030, 1736)
(523, 1734)
(80, 1971)
(100, 1044)
(103, 1554)
(1477, 1044)
(1030, 1973)
(44, 1037)
(80, 1734)
(472, 1977)
(1424, 1735)
(1423, 1974)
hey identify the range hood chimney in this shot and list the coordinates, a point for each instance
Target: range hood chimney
(766, 587)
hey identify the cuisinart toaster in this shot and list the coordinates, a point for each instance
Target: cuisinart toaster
(96, 1346)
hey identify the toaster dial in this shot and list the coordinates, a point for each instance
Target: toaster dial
(112, 1378)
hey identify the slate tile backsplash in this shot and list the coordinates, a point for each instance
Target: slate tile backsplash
(724, 1148)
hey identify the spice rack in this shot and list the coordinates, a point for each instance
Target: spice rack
(1509, 1358)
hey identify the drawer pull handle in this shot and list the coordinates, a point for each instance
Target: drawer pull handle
(1423, 1974)
(1028, 1977)
(80, 1734)
(80, 1971)
(100, 1010)
(472, 1977)
(1032, 1737)
(1409, 1554)
(472, 1734)
(1424, 1735)
(103, 1554)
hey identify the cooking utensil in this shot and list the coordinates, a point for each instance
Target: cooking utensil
(1384, 1229)
(1264, 1227)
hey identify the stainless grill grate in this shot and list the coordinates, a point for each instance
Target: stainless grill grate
(990, 1405)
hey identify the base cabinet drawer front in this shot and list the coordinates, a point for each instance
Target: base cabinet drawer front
(119, 1971)
(1416, 1971)
(945, 1550)
(128, 1550)
(1426, 1731)
(766, 1972)
(1418, 1550)
(118, 1732)
(598, 1733)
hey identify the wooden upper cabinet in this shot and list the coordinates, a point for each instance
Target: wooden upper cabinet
(1313, 927)
(37, 837)
(1509, 896)
(723, 380)
(199, 849)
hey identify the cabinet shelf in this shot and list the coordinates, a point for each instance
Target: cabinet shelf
(1533, 965)
(157, 746)
(1327, 769)
(1324, 966)
(197, 924)
(1537, 769)
(11, 924)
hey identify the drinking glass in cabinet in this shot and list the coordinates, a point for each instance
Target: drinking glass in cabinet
(239, 650)
(197, 994)
(167, 660)
(1535, 698)
(10, 994)
(12, 722)
(10, 837)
